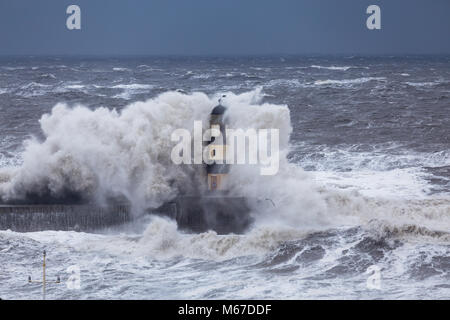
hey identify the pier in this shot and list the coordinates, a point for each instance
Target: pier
(27, 218)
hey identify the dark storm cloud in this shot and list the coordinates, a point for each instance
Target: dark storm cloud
(224, 27)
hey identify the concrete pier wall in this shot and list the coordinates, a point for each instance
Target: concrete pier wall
(192, 213)
(222, 214)
(26, 218)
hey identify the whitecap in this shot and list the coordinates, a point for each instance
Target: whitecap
(346, 82)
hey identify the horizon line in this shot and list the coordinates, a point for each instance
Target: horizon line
(224, 55)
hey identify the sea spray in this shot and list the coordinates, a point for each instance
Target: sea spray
(105, 154)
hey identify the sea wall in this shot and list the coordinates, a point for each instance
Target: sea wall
(26, 218)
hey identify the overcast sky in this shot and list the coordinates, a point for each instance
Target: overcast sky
(214, 27)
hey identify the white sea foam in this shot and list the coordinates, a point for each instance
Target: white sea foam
(104, 153)
(133, 86)
(75, 86)
(422, 84)
(201, 76)
(345, 68)
(295, 83)
(345, 82)
(107, 153)
(121, 69)
(33, 89)
(338, 68)
(13, 68)
(48, 76)
(193, 266)
(130, 89)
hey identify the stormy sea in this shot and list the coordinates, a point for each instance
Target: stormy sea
(361, 202)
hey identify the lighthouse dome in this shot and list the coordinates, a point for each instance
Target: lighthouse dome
(220, 109)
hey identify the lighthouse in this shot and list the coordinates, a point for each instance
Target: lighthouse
(219, 208)
(217, 169)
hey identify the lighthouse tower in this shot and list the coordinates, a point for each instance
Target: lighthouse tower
(217, 170)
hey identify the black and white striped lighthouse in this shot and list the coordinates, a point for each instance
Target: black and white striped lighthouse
(217, 170)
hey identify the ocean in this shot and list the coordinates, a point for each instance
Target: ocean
(361, 200)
